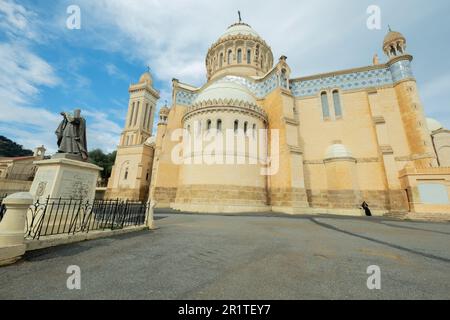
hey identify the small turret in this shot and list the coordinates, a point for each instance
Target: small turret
(164, 114)
(394, 44)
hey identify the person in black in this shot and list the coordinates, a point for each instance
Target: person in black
(366, 208)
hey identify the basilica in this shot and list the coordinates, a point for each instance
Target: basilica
(325, 143)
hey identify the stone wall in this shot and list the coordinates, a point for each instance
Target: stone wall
(128, 194)
(350, 199)
(287, 197)
(13, 186)
(164, 196)
(222, 194)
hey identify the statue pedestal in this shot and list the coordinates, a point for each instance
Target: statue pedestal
(62, 177)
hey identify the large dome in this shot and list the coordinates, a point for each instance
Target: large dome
(240, 28)
(223, 95)
(222, 90)
(239, 51)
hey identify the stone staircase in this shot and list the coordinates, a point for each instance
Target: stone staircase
(397, 215)
(432, 217)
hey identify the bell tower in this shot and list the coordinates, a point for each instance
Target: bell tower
(411, 108)
(131, 174)
(141, 110)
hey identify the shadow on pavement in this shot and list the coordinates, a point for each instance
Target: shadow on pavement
(391, 245)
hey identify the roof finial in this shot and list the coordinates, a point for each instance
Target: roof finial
(239, 14)
(389, 26)
(148, 69)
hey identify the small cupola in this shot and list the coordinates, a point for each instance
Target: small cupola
(394, 44)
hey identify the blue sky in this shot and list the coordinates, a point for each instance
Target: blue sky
(46, 68)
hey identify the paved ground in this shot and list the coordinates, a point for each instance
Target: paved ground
(232, 257)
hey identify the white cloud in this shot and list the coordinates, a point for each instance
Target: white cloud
(21, 75)
(15, 15)
(30, 138)
(104, 132)
(173, 36)
(18, 22)
(115, 72)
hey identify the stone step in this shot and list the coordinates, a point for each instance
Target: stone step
(397, 215)
(430, 217)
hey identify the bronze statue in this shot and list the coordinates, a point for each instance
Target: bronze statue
(71, 135)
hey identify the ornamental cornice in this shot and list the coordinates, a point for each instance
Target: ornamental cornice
(400, 58)
(143, 87)
(225, 105)
(357, 160)
(416, 157)
(340, 72)
(238, 37)
(291, 121)
(339, 159)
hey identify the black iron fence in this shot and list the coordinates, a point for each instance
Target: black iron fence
(69, 216)
(2, 206)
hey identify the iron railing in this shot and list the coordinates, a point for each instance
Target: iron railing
(71, 216)
(2, 207)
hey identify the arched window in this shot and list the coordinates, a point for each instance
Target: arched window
(393, 53)
(208, 125)
(239, 56)
(189, 129)
(126, 174)
(219, 125)
(337, 104)
(136, 114)
(254, 130)
(249, 56)
(229, 56)
(325, 107)
(221, 59)
(236, 126)
(245, 127)
(146, 114)
(131, 115)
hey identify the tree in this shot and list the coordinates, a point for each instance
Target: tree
(105, 161)
(9, 148)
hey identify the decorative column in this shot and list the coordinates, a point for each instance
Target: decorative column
(343, 188)
(12, 243)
